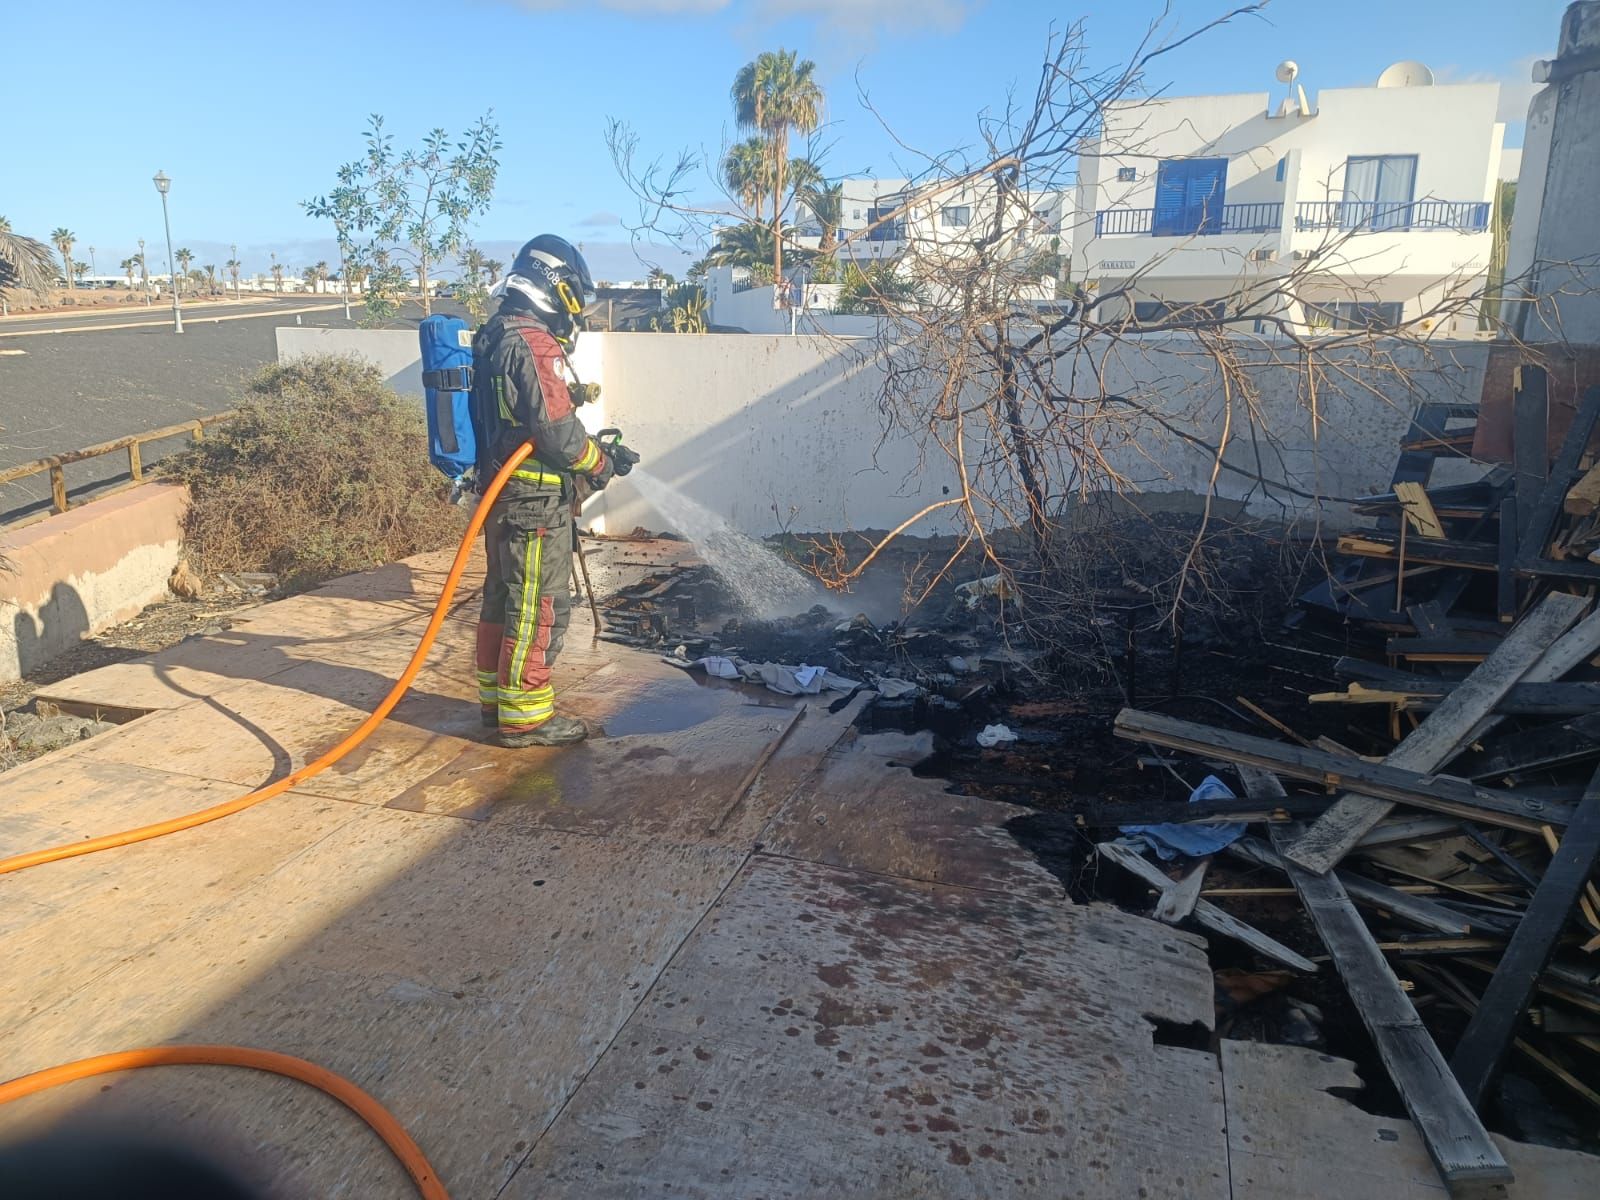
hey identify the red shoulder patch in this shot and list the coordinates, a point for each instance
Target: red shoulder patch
(546, 357)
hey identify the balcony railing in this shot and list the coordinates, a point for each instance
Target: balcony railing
(1356, 216)
(1260, 217)
(1387, 216)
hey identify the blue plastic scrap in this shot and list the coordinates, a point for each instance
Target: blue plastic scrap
(1194, 840)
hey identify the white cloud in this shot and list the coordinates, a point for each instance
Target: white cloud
(1515, 80)
(866, 16)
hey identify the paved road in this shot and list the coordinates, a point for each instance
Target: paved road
(85, 378)
(158, 315)
(87, 383)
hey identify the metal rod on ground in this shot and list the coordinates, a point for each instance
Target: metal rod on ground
(749, 780)
(583, 570)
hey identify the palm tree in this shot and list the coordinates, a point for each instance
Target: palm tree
(472, 264)
(491, 269)
(774, 95)
(25, 262)
(277, 272)
(211, 278)
(747, 245)
(127, 265)
(185, 256)
(310, 276)
(746, 169)
(826, 204)
(80, 269)
(233, 265)
(62, 238)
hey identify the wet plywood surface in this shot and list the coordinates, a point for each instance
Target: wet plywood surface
(1289, 1134)
(624, 969)
(866, 810)
(831, 1033)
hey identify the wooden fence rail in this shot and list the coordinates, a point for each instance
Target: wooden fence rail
(55, 465)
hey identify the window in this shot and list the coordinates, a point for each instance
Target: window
(956, 216)
(1283, 166)
(1174, 314)
(1189, 196)
(857, 215)
(1372, 315)
(1378, 190)
(1127, 174)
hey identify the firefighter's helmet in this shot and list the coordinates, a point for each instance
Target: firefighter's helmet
(550, 276)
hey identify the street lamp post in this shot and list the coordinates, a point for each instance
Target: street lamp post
(163, 185)
(144, 273)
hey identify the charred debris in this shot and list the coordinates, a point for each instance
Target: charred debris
(1374, 788)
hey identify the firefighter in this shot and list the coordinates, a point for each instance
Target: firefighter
(523, 390)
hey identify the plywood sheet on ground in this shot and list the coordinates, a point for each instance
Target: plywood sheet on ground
(867, 810)
(829, 1032)
(467, 975)
(1290, 1135)
(66, 924)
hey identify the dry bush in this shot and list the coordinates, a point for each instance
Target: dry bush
(323, 472)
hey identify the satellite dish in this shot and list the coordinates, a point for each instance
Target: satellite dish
(1288, 71)
(1406, 73)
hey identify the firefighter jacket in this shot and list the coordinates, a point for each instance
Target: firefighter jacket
(519, 393)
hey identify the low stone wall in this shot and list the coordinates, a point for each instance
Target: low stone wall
(82, 571)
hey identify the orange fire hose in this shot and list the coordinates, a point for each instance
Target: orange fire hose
(34, 858)
(357, 1101)
(347, 1093)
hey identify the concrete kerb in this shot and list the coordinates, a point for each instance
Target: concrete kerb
(81, 571)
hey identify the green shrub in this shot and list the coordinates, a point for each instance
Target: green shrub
(323, 472)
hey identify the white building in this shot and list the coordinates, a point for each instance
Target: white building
(889, 218)
(1387, 190)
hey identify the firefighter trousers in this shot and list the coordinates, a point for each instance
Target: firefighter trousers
(527, 602)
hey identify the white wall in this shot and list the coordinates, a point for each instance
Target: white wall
(776, 432)
(754, 309)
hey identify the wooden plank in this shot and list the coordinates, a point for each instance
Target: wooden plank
(1434, 792)
(135, 463)
(1460, 1147)
(1206, 914)
(1540, 522)
(1430, 619)
(1444, 552)
(1506, 579)
(1410, 908)
(1530, 415)
(1533, 749)
(1178, 901)
(1446, 731)
(1583, 497)
(1419, 511)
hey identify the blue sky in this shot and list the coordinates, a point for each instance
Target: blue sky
(269, 99)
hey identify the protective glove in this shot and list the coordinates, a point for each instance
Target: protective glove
(583, 393)
(603, 474)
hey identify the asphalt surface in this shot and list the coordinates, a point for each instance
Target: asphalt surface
(80, 382)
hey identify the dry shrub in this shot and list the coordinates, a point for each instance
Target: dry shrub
(323, 472)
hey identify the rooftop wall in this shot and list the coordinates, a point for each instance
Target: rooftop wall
(775, 432)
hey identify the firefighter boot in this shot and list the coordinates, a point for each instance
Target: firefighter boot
(557, 731)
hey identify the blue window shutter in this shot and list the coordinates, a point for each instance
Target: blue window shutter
(1208, 183)
(1172, 185)
(1189, 196)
